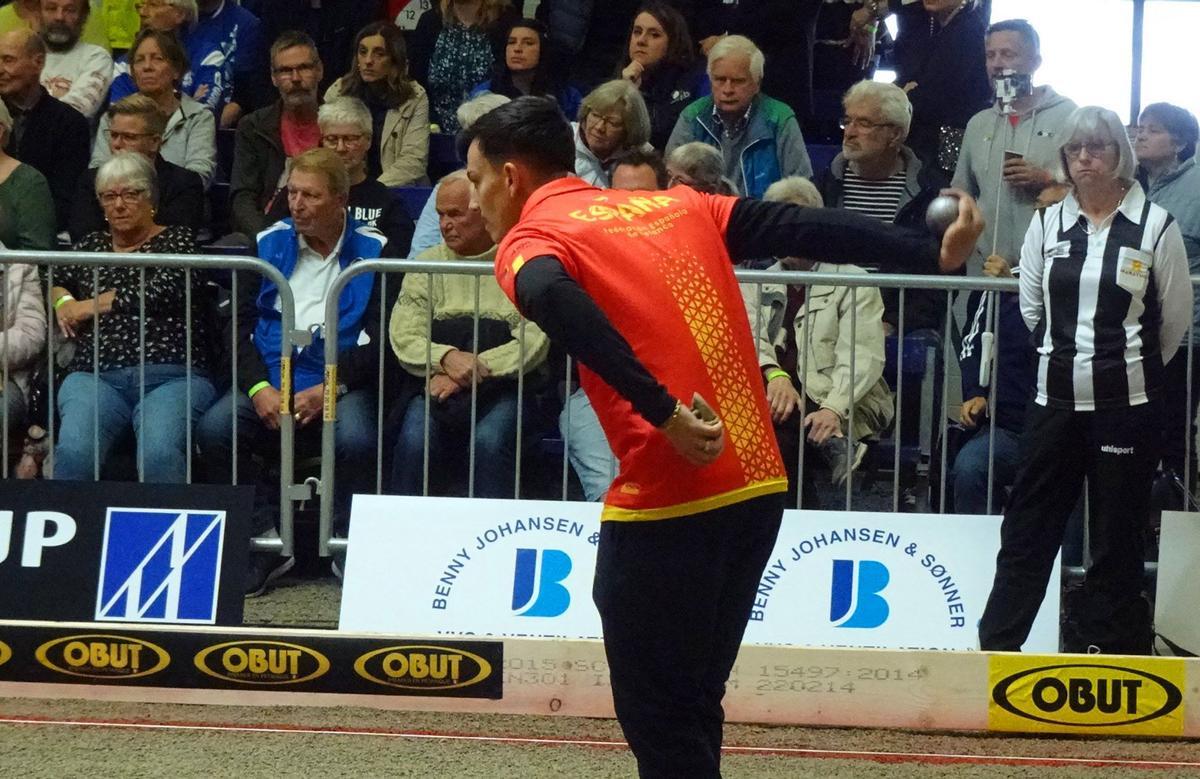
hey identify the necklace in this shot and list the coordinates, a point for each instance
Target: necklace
(933, 19)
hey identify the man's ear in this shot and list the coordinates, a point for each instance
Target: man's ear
(513, 177)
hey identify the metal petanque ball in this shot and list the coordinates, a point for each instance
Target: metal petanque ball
(942, 212)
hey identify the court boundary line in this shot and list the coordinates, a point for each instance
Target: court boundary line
(880, 756)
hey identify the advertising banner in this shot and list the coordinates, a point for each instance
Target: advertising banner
(1175, 597)
(524, 568)
(105, 551)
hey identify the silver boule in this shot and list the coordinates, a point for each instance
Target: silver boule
(942, 212)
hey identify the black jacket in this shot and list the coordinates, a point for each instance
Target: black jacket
(180, 200)
(56, 141)
(258, 162)
(667, 89)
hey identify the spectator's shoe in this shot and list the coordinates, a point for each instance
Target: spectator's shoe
(265, 567)
(842, 463)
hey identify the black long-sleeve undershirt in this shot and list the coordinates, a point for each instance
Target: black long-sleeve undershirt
(548, 296)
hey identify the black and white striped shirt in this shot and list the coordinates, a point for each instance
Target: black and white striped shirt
(877, 198)
(1108, 302)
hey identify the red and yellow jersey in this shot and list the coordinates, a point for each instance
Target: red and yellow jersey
(656, 264)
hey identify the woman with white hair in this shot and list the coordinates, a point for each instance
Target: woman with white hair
(345, 124)
(612, 119)
(143, 337)
(1105, 288)
(209, 79)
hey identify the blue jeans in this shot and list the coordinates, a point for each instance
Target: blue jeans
(970, 476)
(587, 446)
(495, 448)
(162, 444)
(353, 444)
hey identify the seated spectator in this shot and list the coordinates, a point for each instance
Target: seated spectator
(76, 72)
(136, 124)
(189, 139)
(269, 137)
(331, 24)
(1015, 380)
(805, 345)
(205, 76)
(346, 129)
(758, 136)
(462, 368)
(226, 31)
(26, 15)
(455, 46)
(428, 231)
(128, 192)
(47, 134)
(1166, 153)
(310, 249)
(26, 205)
(399, 149)
(637, 169)
(939, 59)
(661, 63)
(877, 175)
(699, 166)
(22, 339)
(612, 120)
(523, 70)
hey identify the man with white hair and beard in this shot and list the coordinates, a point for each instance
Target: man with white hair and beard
(76, 72)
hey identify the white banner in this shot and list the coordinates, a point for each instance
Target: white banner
(524, 568)
(1175, 598)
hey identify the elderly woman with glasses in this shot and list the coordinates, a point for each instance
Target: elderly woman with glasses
(612, 119)
(159, 64)
(135, 375)
(345, 124)
(1105, 290)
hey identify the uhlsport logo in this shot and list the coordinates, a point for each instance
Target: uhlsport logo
(855, 600)
(262, 662)
(160, 565)
(103, 656)
(1142, 696)
(423, 667)
(537, 583)
(5, 653)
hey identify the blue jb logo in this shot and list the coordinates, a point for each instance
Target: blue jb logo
(537, 583)
(856, 601)
(160, 566)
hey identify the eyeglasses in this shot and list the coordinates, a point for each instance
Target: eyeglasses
(128, 197)
(1094, 148)
(114, 135)
(334, 141)
(615, 122)
(863, 124)
(303, 69)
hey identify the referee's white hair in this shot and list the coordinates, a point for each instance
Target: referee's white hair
(1092, 121)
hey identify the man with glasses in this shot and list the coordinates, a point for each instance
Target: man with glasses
(758, 136)
(135, 124)
(270, 137)
(76, 72)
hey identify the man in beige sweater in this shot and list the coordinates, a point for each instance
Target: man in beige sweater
(457, 370)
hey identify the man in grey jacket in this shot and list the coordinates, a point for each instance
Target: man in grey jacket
(1008, 149)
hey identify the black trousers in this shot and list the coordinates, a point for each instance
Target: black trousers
(674, 597)
(1117, 451)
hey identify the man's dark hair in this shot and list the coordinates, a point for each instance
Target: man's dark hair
(638, 157)
(530, 129)
(292, 38)
(1177, 121)
(1020, 27)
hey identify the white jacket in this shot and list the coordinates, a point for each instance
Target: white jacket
(24, 333)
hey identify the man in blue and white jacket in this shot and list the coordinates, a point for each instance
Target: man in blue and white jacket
(311, 248)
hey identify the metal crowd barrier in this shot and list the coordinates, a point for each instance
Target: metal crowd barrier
(48, 261)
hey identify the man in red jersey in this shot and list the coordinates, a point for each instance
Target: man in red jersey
(639, 287)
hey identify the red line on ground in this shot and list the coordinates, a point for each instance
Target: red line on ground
(821, 754)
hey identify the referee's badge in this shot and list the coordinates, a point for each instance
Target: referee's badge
(1133, 269)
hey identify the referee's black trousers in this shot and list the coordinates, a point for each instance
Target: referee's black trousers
(674, 596)
(1117, 451)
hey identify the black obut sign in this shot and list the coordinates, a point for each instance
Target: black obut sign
(117, 552)
(331, 663)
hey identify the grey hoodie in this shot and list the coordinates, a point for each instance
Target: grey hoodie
(981, 163)
(1179, 193)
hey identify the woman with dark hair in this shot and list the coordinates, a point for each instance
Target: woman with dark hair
(399, 107)
(527, 68)
(661, 62)
(1166, 150)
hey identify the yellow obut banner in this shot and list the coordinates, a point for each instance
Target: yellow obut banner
(103, 656)
(258, 661)
(5, 653)
(1100, 695)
